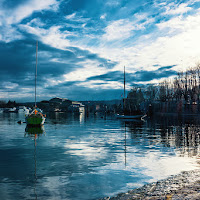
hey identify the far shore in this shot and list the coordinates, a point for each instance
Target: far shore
(185, 185)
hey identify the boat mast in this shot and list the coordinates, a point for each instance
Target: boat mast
(36, 71)
(124, 88)
(124, 83)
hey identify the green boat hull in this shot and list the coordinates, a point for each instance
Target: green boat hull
(37, 121)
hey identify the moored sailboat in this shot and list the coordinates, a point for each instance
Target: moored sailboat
(136, 114)
(35, 118)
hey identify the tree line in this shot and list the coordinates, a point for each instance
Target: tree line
(185, 86)
(9, 104)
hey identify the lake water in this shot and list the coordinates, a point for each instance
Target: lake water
(77, 157)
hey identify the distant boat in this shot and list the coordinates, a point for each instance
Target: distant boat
(130, 116)
(35, 118)
(23, 110)
(137, 115)
(14, 109)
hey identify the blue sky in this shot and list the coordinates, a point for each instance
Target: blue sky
(85, 44)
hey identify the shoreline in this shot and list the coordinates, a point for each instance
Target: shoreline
(185, 185)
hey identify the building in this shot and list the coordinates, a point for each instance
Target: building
(61, 105)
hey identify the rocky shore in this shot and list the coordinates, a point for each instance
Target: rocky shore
(179, 187)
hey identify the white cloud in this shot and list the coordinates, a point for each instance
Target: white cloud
(124, 28)
(25, 10)
(56, 39)
(72, 16)
(173, 9)
(36, 22)
(183, 47)
(75, 17)
(140, 16)
(181, 24)
(10, 33)
(160, 47)
(103, 85)
(159, 4)
(90, 68)
(120, 29)
(53, 36)
(103, 16)
(9, 85)
(9, 18)
(113, 3)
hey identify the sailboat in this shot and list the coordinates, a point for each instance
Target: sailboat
(124, 115)
(35, 118)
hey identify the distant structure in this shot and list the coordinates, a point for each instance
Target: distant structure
(62, 105)
(103, 107)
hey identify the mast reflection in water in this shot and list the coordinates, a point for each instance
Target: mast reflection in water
(34, 132)
(181, 134)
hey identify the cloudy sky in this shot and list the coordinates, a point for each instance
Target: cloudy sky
(85, 44)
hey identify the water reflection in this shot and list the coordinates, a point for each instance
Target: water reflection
(125, 144)
(82, 117)
(92, 157)
(171, 133)
(65, 118)
(184, 134)
(34, 132)
(166, 144)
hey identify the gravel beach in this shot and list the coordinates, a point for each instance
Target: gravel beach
(179, 187)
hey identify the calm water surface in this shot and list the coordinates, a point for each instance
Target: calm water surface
(73, 157)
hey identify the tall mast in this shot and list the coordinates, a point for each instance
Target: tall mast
(124, 83)
(124, 90)
(36, 71)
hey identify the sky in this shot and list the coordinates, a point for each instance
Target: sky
(83, 46)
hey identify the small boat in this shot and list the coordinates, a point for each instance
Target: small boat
(118, 116)
(35, 118)
(14, 109)
(23, 110)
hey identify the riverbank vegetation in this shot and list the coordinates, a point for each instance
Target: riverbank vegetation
(185, 86)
